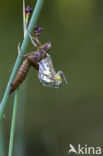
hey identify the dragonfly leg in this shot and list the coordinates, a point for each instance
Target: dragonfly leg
(33, 39)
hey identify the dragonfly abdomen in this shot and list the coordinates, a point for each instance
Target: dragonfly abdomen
(21, 75)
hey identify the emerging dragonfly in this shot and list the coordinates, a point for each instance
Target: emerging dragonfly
(47, 74)
(41, 61)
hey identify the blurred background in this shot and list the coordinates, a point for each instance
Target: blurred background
(48, 120)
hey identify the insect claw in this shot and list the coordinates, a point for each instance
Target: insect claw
(19, 51)
(32, 39)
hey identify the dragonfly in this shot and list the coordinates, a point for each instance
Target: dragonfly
(41, 61)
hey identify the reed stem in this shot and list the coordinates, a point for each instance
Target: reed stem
(24, 46)
(13, 123)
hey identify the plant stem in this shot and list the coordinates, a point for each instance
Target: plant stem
(13, 124)
(24, 46)
(11, 140)
(2, 140)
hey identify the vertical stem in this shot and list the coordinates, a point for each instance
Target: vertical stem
(16, 98)
(2, 149)
(13, 124)
(24, 46)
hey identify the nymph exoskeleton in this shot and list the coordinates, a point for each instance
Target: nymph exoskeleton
(33, 59)
(41, 61)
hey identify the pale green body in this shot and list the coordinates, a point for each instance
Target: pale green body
(47, 75)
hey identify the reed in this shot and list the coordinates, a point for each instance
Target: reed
(24, 46)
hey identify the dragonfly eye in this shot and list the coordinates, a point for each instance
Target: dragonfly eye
(58, 77)
(63, 76)
(58, 81)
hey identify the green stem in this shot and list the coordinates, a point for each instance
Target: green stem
(13, 124)
(11, 140)
(24, 46)
(2, 139)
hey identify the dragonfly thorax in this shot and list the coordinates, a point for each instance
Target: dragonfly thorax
(47, 74)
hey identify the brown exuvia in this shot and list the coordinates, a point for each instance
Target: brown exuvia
(30, 59)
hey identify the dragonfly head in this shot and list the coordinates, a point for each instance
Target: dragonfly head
(59, 76)
(58, 80)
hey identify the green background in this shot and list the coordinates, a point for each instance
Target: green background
(48, 120)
